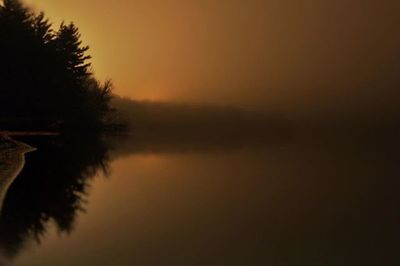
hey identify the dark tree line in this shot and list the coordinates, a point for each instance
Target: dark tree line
(45, 74)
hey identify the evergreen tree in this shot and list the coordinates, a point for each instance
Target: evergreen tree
(45, 75)
(72, 52)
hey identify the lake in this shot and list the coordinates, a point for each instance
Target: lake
(142, 200)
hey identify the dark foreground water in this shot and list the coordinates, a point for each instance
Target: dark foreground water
(147, 201)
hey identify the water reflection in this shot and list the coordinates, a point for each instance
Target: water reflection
(191, 141)
(51, 187)
(203, 200)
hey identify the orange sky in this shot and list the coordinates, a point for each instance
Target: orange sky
(275, 53)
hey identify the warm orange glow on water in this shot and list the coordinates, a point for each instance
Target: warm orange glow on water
(281, 203)
(314, 180)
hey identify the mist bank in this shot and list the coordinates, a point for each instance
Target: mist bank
(207, 119)
(194, 118)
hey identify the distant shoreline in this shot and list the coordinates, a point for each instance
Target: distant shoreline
(28, 133)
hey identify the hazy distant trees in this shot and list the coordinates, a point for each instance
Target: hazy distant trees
(45, 75)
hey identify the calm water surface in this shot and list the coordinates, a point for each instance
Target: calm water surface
(300, 201)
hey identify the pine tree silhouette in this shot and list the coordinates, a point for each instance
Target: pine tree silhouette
(45, 74)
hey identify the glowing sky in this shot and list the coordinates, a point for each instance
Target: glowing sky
(257, 52)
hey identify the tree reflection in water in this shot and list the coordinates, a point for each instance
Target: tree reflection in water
(52, 187)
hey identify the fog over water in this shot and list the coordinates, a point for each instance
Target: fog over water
(259, 132)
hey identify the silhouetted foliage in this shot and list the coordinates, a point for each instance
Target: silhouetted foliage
(53, 186)
(45, 75)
